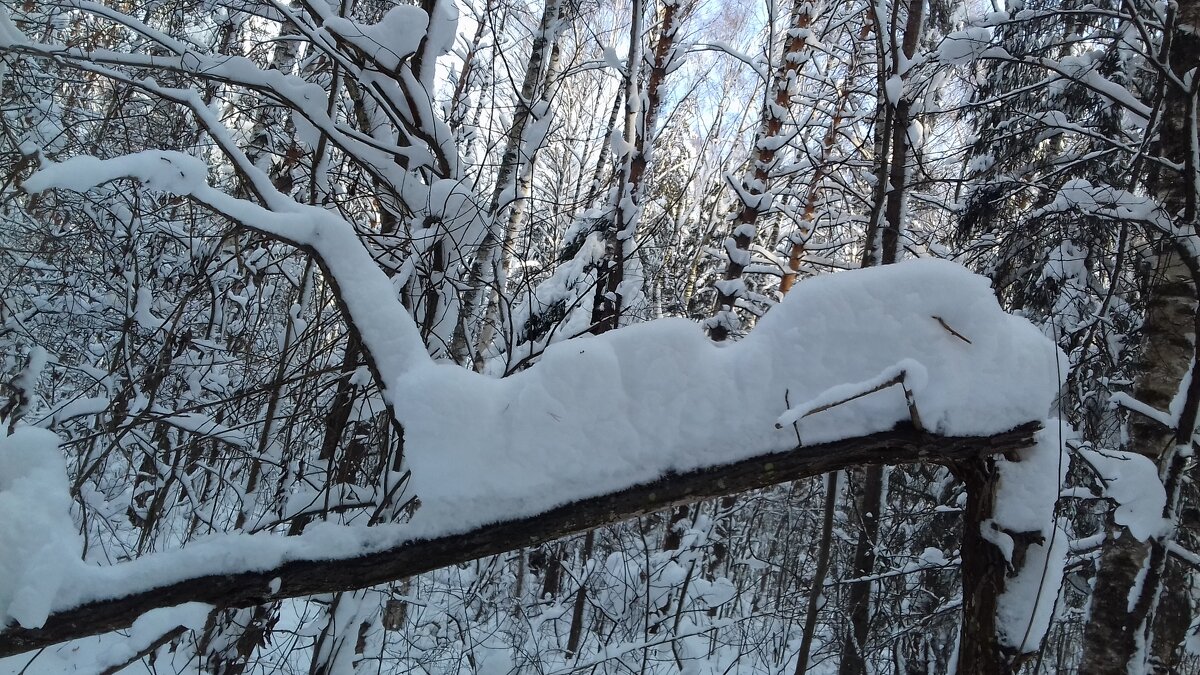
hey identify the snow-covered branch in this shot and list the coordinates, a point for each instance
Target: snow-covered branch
(243, 570)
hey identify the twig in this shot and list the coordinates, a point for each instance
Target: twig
(950, 330)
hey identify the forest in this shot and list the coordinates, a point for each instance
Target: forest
(599, 336)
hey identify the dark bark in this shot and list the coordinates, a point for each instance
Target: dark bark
(883, 239)
(576, 630)
(300, 578)
(889, 238)
(818, 581)
(984, 574)
(1109, 641)
(859, 598)
(1175, 609)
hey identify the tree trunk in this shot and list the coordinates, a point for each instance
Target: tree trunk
(983, 573)
(576, 629)
(1120, 623)
(818, 581)
(858, 601)
(756, 188)
(1131, 631)
(610, 298)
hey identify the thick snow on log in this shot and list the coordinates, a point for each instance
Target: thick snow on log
(39, 545)
(598, 414)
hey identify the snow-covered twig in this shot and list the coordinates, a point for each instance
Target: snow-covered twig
(909, 374)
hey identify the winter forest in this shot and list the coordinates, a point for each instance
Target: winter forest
(599, 336)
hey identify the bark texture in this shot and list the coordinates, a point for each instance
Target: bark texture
(818, 581)
(1120, 618)
(985, 574)
(858, 600)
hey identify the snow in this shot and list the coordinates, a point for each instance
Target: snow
(443, 30)
(142, 311)
(154, 624)
(156, 170)
(612, 60)
(894, 88)
(962, 47)
(1131, 480)
(199, 423)
(1028, 489)
(1107, 201)
(1026, 607)
(26, 381)
(601, 413)
(397, 35)
(567, 287)
(9, 33)
(536, 130)
(75, 407)
(1026, 494)
(590, 414)
(1127, 401)
(619, 146)
(911, 373)
(39, 547)
(597, 414)
(1082, 68)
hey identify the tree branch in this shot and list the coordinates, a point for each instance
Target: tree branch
(298, 578)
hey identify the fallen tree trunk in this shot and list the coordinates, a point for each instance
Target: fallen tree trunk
(298, 578)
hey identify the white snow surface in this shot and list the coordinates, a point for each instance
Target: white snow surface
(909, 372)
(396, 36)
(1026, 607)
(965, 46)
(1025, 500)
(1131, 480)
(1028, 489)
(598, 414)
(39, 546)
